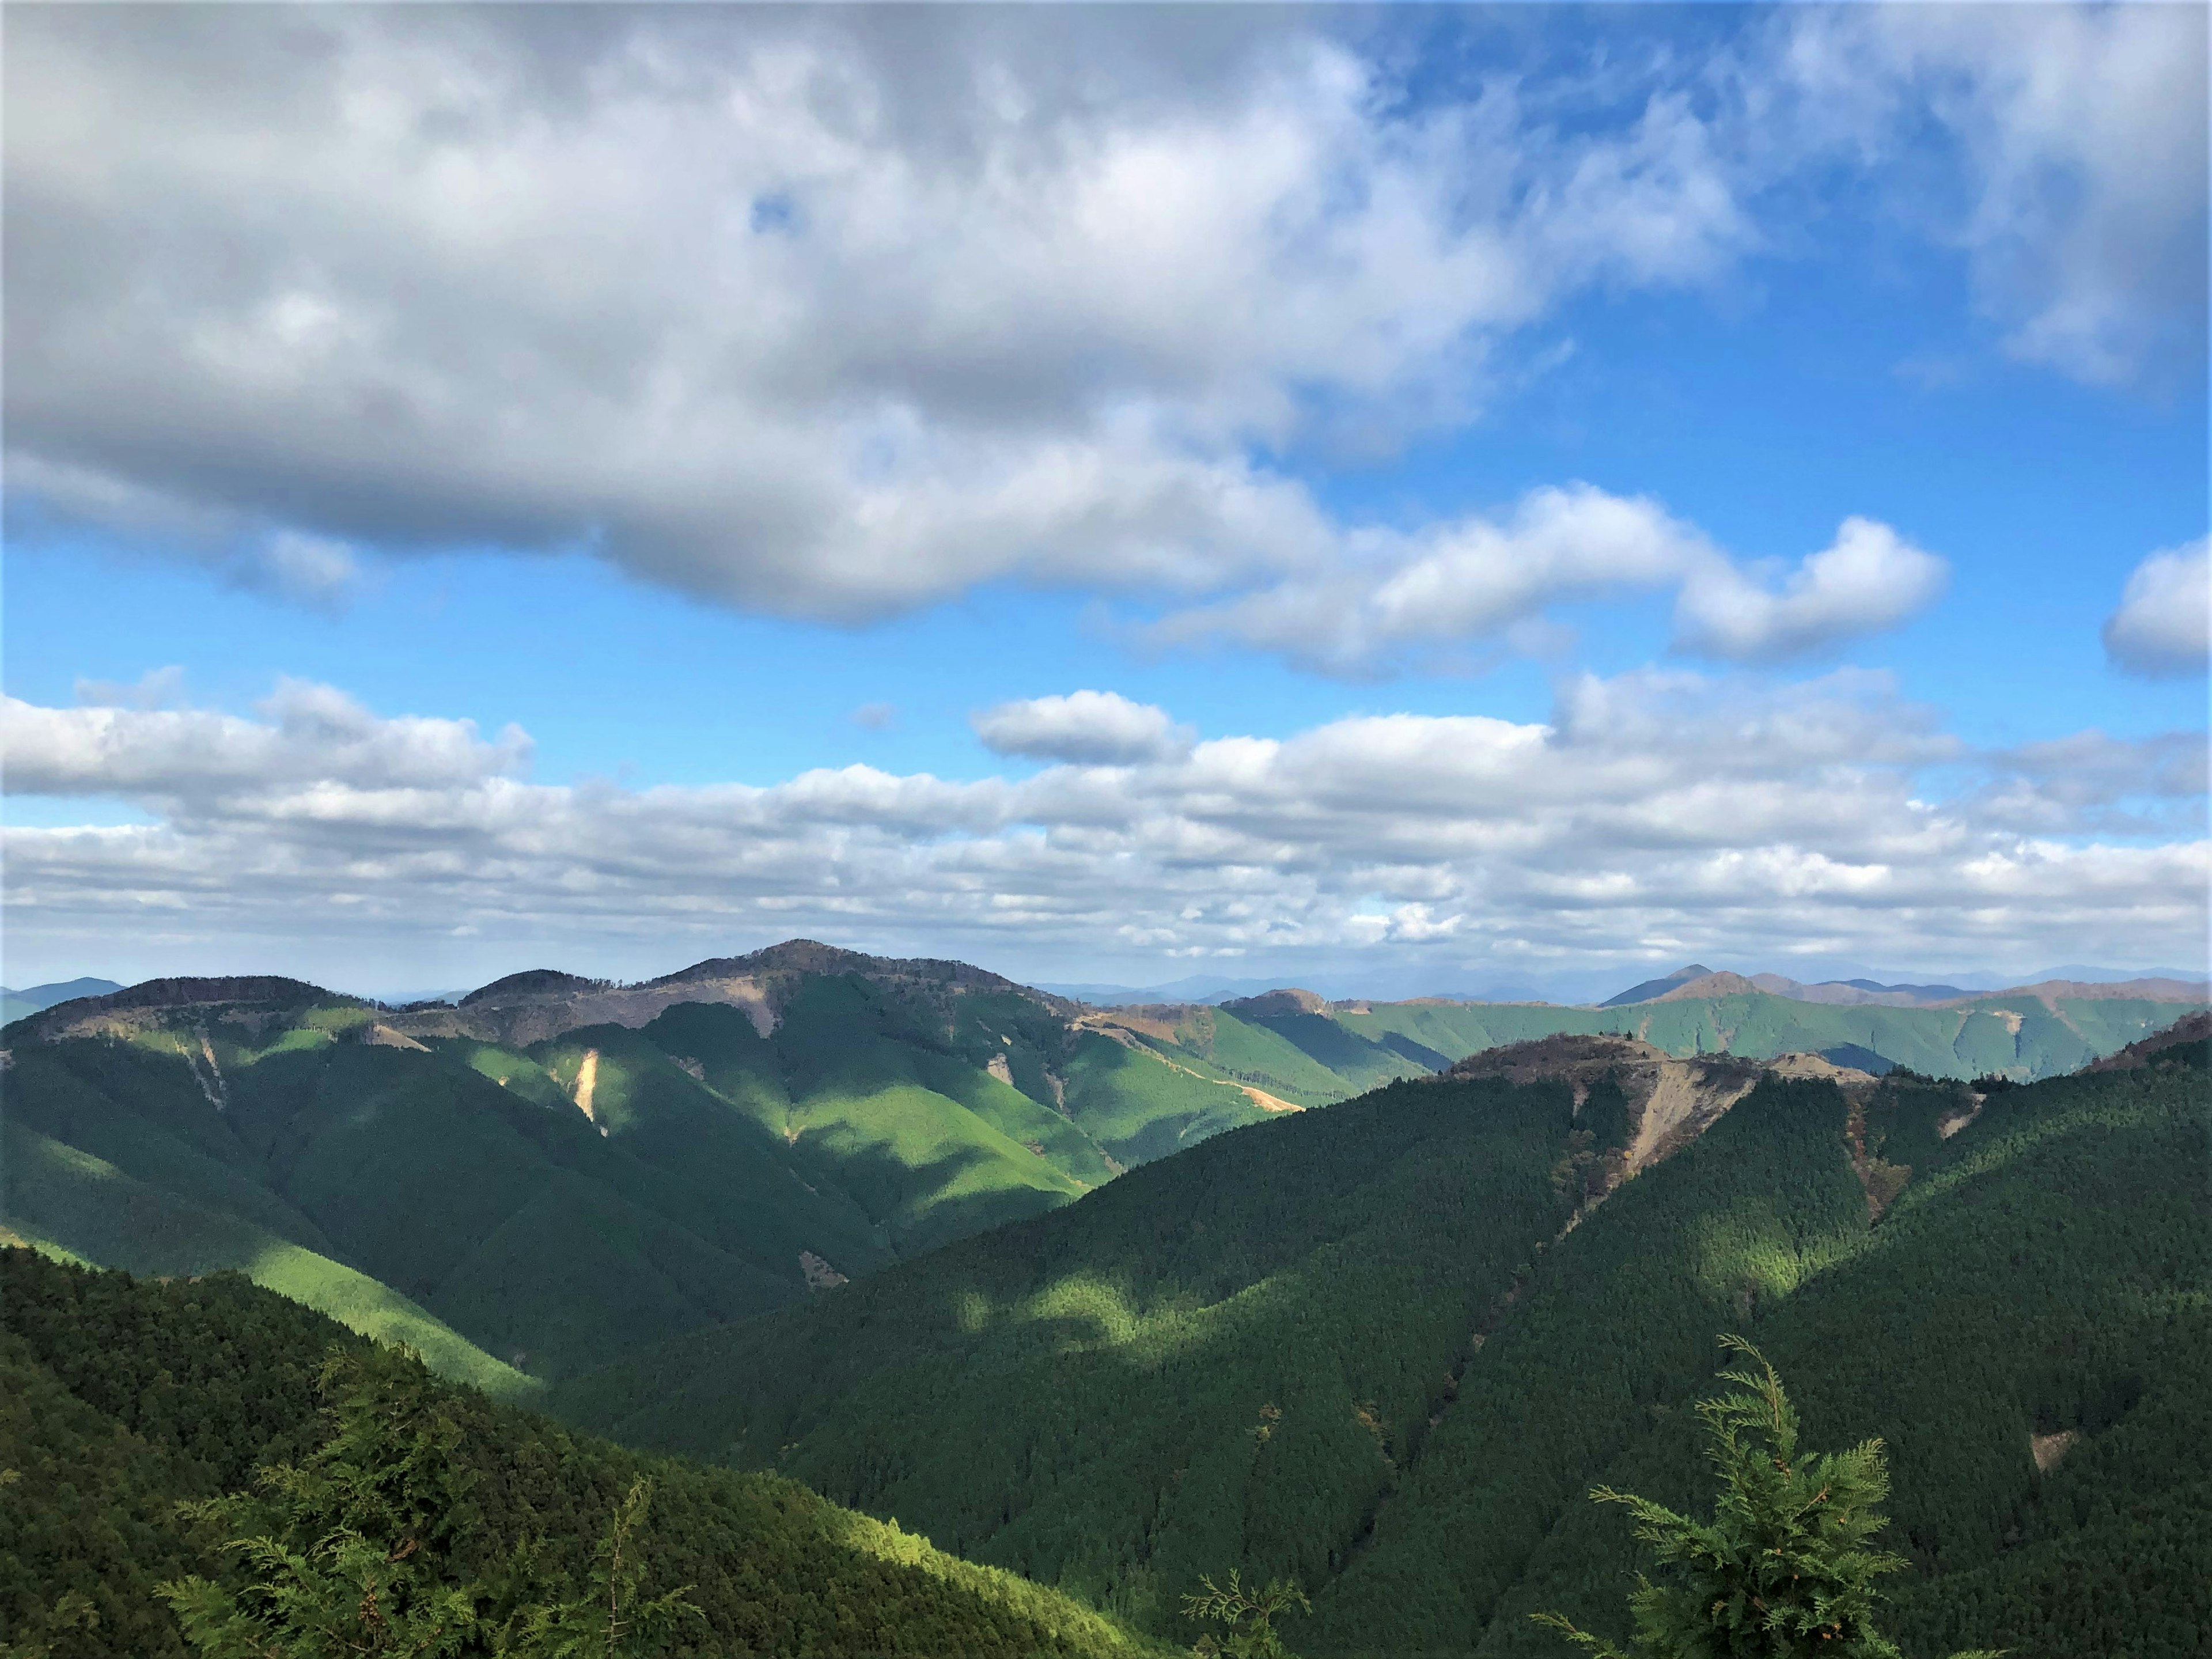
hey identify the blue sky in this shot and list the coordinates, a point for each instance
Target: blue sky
(1296, 371)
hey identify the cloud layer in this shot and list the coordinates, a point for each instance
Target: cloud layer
(837, 313)
(1667, 814)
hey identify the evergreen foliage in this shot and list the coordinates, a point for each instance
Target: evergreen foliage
(124, 1396)
(1361, 1349)
(1249, 1614)
(1786, 1566)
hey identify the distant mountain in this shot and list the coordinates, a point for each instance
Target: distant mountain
(1197, 988)
(14, 1005)
(1651, 990)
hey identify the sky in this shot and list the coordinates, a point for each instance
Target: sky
(1408, 501)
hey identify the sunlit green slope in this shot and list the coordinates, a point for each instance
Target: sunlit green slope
(1356, 1347)
(497, 1207)
(559, 1203)
(78, 1205)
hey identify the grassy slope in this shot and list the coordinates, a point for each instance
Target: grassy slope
(1081, 1397)
(1362, 1062)
(118, 1398)
(467, 1180)
(500, 1209)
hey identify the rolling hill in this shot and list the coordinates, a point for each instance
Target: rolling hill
(1386, 1348)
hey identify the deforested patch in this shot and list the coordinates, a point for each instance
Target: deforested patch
(588, 1083)
(2048, 1448)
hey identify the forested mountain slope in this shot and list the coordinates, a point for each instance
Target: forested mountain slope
(120, 1397)
(550, 1205)
(1364, 1348)
(557, 1170)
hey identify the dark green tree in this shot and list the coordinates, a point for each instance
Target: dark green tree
(1786, 1567)
(1249, 1614)
(351, 1551)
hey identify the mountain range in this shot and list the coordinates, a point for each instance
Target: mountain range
(1108, 1301)
(556, 1170)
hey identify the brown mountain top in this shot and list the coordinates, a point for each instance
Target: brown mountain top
(1711, 985)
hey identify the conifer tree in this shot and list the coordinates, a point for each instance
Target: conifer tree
(351, 1551)
(1786, 1567)
(1249, 1614)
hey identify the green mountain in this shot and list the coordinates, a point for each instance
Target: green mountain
(558, 1170)
(448, 1193)
(119, 1398)
(1387, 1348)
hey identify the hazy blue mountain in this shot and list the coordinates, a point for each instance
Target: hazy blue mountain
(14, 1005)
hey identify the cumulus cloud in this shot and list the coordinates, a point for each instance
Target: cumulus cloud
(1087, 727)
(309, 735)
(826, 313)
(2084, 135)
(1655, 812)
(837, 313)
(1868, 578)
(2165, 619)
(1393, 600)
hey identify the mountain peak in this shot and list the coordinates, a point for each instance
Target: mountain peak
(533, 982)
(1723, 984)
(1652, 990)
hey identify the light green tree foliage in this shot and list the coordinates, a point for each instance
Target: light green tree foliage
(351, 1551)
(1249, 1615)
(1786, 1567)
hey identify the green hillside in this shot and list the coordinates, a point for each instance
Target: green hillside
(109, 1217)
(1355, 1347)
(544, 1205)
(536, 1209)
(120, 1397)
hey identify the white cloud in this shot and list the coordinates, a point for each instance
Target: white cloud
(2083, 133)
(827, 314)
(823, 313)
(1087, 727)
(1654, 812)
(1391, 599)
(1868, 579)
(2164, 624)
(309, 735)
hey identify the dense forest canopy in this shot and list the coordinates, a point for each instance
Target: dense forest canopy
(1367, 1361)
